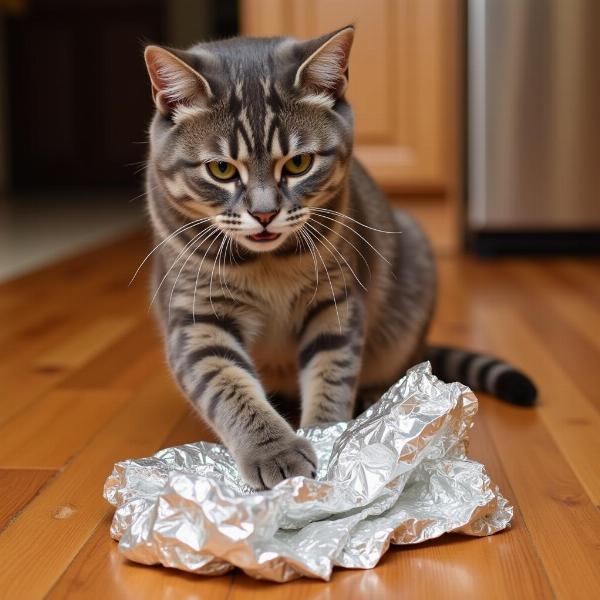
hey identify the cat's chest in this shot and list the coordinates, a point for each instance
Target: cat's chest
(274, 353)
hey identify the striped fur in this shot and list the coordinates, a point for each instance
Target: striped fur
(332, 309)
(483, 372)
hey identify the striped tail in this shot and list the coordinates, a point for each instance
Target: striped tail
(482, 373)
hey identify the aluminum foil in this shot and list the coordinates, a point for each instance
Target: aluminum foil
(397, 474)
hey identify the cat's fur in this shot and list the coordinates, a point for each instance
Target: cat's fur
(332, 310)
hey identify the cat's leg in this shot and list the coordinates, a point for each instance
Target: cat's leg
(215, 371)
(329, 360)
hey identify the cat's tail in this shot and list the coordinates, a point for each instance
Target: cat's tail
(482, 372)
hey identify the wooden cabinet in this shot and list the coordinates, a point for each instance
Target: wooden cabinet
(404, 82)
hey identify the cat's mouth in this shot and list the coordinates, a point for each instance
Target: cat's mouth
(263, 236)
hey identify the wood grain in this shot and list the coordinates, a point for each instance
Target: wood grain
(77, 404)
(47, 434)
(66, 513)
(18, 487)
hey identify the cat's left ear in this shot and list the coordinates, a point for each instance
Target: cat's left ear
(325, 71)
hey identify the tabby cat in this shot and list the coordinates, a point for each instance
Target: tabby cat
(279, 266)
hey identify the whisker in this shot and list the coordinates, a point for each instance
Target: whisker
(306, 240)
(178, 231)
(362, 256)
(340, 254)
(337, 312)
(340, 214)
(223, 257)
(231, 245)
(298, 249)
(359, 235)
(211, 275)
(171, 268)
(341, 270)
(200, 269)
(201, 237)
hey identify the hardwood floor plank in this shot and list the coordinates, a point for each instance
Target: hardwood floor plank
(494, 325)
(66, 513)
(190, 428)
(24, 378)
(100, 334)
(580, 274)
(23, 386)
(561, 519)
(90, 280)
(48, 434)
(578, 307)
(571, 419)
(18, 487)
(576, 354)
(113, 362)
(100, 571)
(140, 368)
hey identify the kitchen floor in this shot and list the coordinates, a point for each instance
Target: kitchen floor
(83, 384)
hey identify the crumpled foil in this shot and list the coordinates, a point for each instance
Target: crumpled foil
(397, 474)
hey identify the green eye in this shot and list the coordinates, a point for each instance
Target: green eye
(221, 170)
(298, 164)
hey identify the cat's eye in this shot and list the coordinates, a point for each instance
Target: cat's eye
(222, 170)
(299, 164)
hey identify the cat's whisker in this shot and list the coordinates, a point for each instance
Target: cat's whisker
(340, 269)
(216, 231)
(177, 232)
(340, 214)
(298, 249)
(308, 242)
(144, 193)
(169, 271)
(337, 312)
(362, 256)
(140, 164)
(218, 261)
(200, 237)
(223, 258)
(231, 245)
(213, 272)
(339, 253)
(359, 235)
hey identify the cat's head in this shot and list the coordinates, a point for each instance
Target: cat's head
(252, 132)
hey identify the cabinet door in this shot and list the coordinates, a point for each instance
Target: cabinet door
(403, 56)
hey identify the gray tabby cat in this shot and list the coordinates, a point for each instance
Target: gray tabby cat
(277, 272)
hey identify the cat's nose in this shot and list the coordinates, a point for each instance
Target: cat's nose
(264, 218)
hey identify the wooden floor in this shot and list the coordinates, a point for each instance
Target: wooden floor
(83, 384)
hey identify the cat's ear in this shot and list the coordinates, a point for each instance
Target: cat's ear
(325, 70)
(174, 82)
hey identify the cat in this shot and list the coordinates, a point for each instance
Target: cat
(280, 267)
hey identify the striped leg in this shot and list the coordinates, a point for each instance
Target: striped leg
(211, 364)
(329, 361)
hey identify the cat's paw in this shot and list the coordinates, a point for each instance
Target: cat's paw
(266, 466)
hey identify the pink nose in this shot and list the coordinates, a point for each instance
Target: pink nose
(264, 218)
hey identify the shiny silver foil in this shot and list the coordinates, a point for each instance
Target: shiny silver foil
(397, 474)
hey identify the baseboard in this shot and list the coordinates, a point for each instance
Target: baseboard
(499, 243)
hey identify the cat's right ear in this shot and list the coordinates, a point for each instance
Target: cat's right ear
(174, 82)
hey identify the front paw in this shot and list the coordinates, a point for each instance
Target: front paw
(264, 467)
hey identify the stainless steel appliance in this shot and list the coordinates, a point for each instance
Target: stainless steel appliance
(533, 118)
